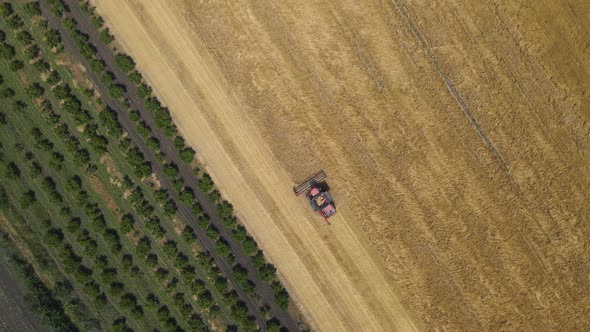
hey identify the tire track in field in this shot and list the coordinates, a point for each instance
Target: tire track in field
(456, 95)
(477, 127)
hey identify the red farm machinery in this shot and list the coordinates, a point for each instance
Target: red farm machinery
(316, 190)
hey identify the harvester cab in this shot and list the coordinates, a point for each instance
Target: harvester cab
(317, 195)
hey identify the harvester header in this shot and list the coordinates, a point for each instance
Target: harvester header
(307, 184)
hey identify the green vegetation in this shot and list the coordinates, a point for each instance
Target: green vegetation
(82, 193)
(39, 296)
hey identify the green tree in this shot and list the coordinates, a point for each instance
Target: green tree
(116, 90)
(137, 312)
(88, 51)
(153, 143)
(187, 155)
(188, 235)
(108, 118)
(163, 313)
(225, 210)
(267, 273)
(4, 200)
(144, 91)
(54, 237)
(239, 274)
(203, 221)
(6, 9)
(152, 260)
(97, 21)
(108, 275)
(179, 142)
(152, 300)
(171, 170)
(197, 209)
(120, 325)
(83, 275)
(204, 299)
(187, 196)
(7, 51)
(126, 224)
(105, 36)
(170, 248)
(56, 160)
(135, 77)
(239, 312)
(70, 24)
(239, 233)
(16, 65)
(134, 116)
(205, 183)
(143, 129)
(143, 246)
(35, 169)
(161, 273)
(53, 38)
(74, 184)
(32, 8)
(12, 171)
(97, 65)
(178, 299)
(53, 78)
(73, 225)
(222, 248)
(19, 106)
(186, 310)
(124, 62)
(273, 325)
(178, 184)
(128, 301)
(281, 295)
(101, 262)
(108, 78)
(196, 323)
(127, 262)
(249, 246)
(212, 233)
(15, 22)
(35, 90)
(116, 288)
(181, 261)
(7, 93)
(32, 52)
(41, 66)
(197, 286)
(258, 260)
(24, 37)
(154, 227)
(220, 284)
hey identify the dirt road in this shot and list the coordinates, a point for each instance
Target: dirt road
(329, 271)
(456, 136)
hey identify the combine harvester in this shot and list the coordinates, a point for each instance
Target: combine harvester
(317, 194)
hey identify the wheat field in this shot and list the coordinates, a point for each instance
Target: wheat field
(455, 134)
